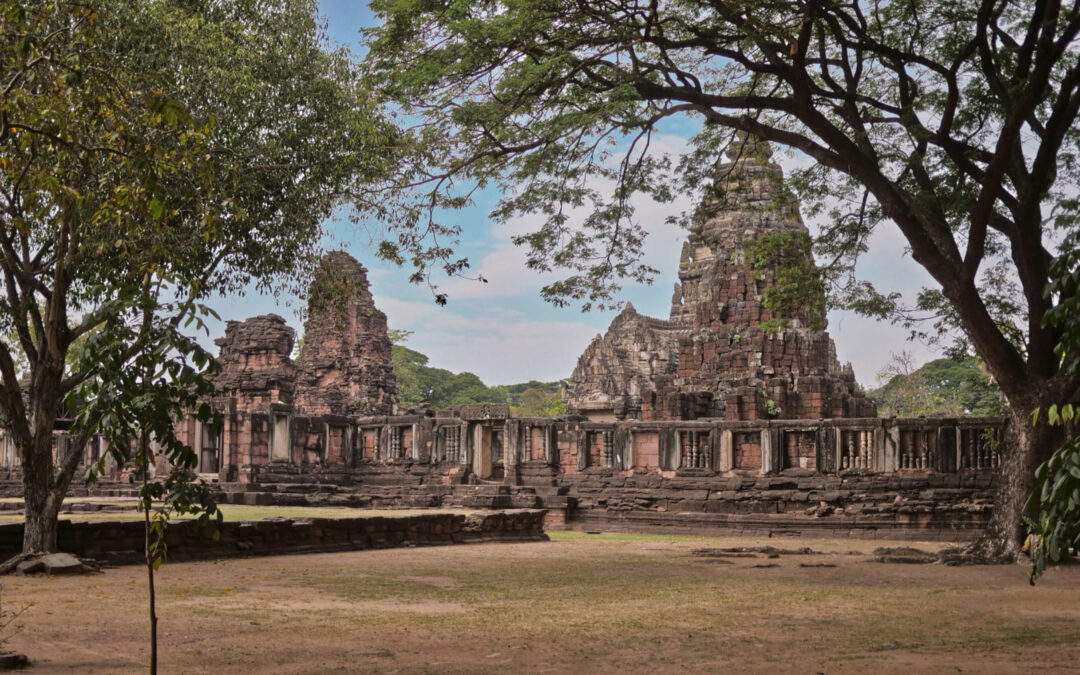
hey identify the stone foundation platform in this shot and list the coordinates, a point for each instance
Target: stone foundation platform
(122, 542)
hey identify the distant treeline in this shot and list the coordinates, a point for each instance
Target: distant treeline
(440, 388)
(939, 387)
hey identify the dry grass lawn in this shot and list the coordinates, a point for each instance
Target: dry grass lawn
(581, 603)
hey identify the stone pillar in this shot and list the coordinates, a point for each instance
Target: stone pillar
(512, 452)
(551, 445)
(891, 437)
(383, 447)
(624, 448)
(768, 455)
(958, 444)
(468, 434)
(196, 444)
(582, 449)
(477, 455)
(225, 457)
(727, 456)
(512, 443)
(880, 461)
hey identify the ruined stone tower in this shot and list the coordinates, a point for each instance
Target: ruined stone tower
(618, 371)
(256, 368)
(345, 364)
(712, 358)
(345, 367)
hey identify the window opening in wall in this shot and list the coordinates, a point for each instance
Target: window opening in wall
(396, 434)
(694, 452)
(855, 447)
(452, 444)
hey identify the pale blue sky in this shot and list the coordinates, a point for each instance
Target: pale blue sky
(505, 333)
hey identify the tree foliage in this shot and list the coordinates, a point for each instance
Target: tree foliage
(939, 387)
(797, 288)
(439, 388)
(1055, 503)
(954, 121)
(179, 148)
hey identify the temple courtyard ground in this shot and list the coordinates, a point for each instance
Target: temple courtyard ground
(580, 603)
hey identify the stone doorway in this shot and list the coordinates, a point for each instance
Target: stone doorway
(498, 462)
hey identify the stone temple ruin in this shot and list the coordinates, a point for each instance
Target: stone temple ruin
(711, 358)
(700, 422)
(344, 371)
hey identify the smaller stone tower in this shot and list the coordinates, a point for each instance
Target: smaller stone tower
(345, 366)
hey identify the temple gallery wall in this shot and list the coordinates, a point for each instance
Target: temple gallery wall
(725, 414)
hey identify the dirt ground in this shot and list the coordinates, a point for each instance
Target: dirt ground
(580, 603)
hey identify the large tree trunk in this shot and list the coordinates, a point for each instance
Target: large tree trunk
(39, 532)
(1024, 448)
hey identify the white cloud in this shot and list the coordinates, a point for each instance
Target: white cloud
(496, 342)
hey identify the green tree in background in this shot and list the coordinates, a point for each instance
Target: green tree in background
(939, 387)
(537, 403)
(440, 388)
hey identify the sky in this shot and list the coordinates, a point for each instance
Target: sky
(505, 333)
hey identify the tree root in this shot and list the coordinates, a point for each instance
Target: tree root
(976, 554)
(13, 562)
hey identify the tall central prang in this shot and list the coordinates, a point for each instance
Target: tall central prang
(723, 353)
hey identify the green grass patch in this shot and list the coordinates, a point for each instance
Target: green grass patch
(241, 512)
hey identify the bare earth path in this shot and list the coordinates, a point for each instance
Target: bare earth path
(580, 603)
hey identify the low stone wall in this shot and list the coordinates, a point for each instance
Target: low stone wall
(908, 504)
(903, 505)
(122, 542)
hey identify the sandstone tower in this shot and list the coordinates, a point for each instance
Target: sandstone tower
(345, 364)
(256, 368)
(712, 358)
(345, 367)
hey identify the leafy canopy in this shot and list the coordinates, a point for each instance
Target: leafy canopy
(152, 155)
(954, 120)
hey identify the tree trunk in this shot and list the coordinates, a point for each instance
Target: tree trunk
(147, 505)
(1024, 448)
(39, 532)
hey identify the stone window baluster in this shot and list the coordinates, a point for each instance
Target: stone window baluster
(608, 449)
(395, 442)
